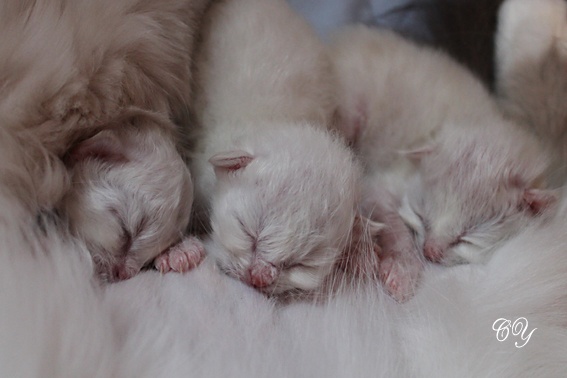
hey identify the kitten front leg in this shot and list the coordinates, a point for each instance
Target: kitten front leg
(399, 266)
(181, 257)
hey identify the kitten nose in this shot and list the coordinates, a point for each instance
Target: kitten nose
(121, 273)
(262, 273)
(433, 251)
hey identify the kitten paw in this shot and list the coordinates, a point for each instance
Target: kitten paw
(399, 277)
(181, 257)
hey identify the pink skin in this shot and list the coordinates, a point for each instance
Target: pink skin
(123, 272)
(262, 274)
(433, 251)
(182, 257)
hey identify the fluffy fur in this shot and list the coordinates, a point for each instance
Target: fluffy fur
(131, 195)
(281, 191)
(459, 175)
(73, 68)
(69, 67)
(531, 79)
(207, 324)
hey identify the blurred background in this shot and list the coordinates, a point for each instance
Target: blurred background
(464, 28)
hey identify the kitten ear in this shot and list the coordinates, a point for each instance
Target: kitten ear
(539, 200)
(230, 161)
(104, 146)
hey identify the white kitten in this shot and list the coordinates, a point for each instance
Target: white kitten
(531, 79)
(131, 194)
(438, 155)
(281, 190)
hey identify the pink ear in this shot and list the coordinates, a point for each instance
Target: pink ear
(103, 146)
(230, 161)
(538, 200)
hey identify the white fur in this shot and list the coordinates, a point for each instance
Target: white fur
(73, 68)
(531, 80)
(69, 67)
(264, 94)
(55, 321)
(131, 206)
(428, 131)
(206, 324)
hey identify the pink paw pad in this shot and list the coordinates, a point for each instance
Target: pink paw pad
(181, 257)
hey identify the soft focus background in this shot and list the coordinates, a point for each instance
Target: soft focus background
(464, 28)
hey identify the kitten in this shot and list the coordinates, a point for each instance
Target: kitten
(281, 191)
(131, 195)
(437, 155)
(531, 80)
(73, 68)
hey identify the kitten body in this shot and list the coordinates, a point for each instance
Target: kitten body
(279, 188)
(444, 171)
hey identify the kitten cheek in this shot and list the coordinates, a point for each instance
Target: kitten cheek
(303, 278)
(464, 253)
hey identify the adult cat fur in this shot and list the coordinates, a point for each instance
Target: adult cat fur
(73, 68)
(530, 71)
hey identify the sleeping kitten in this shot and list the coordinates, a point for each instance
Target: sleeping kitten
(531, 79)
(131, 197)
(440, 161)
(280, 190)
(73, 68)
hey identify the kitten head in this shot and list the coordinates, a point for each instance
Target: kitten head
(477, 189)
(131, 196)
(283, 208)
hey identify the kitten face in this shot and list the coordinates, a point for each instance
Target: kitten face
(281, 218)
(131, 198)
(477, 190)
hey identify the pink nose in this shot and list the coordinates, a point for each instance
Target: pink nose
(262, 273)
(121, 273)
(433, 251)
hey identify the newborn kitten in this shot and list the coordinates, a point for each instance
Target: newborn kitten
(440, 161)
(531, 78)
(131, 196)
(69, 67)
(280, 190)
(72, 68)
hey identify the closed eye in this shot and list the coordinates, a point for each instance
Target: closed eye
(462, 240)
(293, 265)
(125, 234)
(252, 238)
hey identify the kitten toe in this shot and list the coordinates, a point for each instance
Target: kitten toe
(182, 257)
(161, 263)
